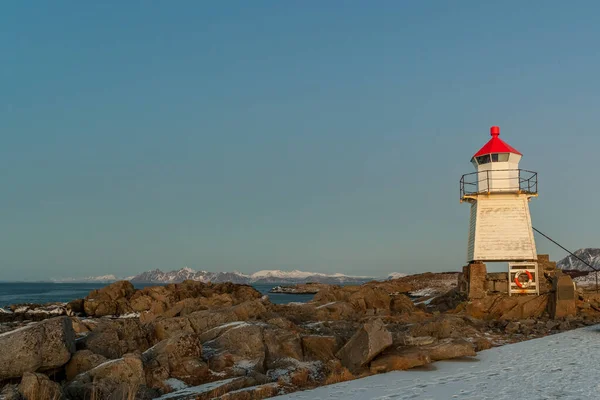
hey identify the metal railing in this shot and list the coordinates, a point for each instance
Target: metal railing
(499, 180)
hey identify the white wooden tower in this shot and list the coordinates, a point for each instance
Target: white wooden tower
(500, 227)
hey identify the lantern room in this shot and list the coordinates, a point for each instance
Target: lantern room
(497, 170)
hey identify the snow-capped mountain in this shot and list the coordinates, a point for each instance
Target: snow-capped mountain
(266, 276)
(396, 275)
(90, 279)
(590, 255)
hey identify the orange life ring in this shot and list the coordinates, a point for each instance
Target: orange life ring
(529, 279)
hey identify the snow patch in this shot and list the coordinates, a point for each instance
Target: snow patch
(566, 363)
(424, 292)
(175, 384)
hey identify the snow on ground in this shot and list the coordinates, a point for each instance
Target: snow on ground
(424, 292)
(562, 366)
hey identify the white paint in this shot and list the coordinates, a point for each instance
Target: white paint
(562, 366)
(501, 229)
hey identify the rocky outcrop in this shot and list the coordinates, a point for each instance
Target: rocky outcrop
(302, 288)
(241, 346)
(114, 338)
(38, 347)
(367, 343)
(36, 386)
(281, 345)
(178, 357)
(110, 300)
(202, 321)
(508, 307)
(169, 301)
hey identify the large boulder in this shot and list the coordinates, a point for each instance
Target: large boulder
(110, 300)
(112, 380)
(36, 386)
(82, 361)
(399, 359)
(187, 297)
(241, 346)
(113, 338)
(281, 345)
(450, 348)
(179, 357)
(368, 299)
(366, 344)
(36, 348)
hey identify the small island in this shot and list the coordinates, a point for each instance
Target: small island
(301, 288)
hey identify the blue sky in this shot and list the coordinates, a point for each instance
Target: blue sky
(324, 136)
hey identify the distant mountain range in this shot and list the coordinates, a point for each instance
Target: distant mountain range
(590, 255)
(266, 276)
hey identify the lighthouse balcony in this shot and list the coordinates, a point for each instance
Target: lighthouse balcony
(518, 181)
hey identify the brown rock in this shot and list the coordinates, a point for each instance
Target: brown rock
(202, 321)
(110, 300)
(82, 361)
(242, 343)
(399, 359)
(450, 348)
(319, 348)
(177, 357)
(367, 343)
(114, 338)
(482, 344)
(38, 347)
(75, 307)
(280, 345)
(339, 310)
(367, 298)
(401, 303)
(114, 379)
(253, 392)
(39, 387)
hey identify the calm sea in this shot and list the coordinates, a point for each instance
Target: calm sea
(48, 292)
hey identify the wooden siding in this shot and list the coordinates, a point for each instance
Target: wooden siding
(502, 229)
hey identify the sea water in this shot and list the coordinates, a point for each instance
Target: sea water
(49, 292)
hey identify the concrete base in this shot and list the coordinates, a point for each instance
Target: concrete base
(476, 274)
(562, 304)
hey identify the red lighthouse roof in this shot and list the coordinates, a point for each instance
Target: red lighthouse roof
(496, 145)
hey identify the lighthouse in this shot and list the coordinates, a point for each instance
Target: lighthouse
(500, 227)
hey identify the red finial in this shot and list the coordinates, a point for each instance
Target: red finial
(495, 131)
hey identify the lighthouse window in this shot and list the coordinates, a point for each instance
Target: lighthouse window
(503, 157)
(483, 159)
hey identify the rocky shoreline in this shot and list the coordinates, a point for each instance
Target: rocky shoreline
(301, 288)
(202, 341)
